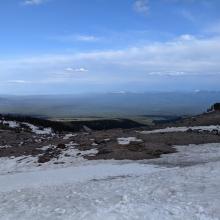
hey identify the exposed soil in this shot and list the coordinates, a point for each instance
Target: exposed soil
(211, 118)
(14, 143)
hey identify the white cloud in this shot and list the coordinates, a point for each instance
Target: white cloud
(141, 6)
(183, 56)
(76, 37)
(70, 69)
(18, 81)
(186, 37)
(33, 2)
(167, 73)
(87, 38)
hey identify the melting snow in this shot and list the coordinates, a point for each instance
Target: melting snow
(128, 140)
(39, 131)
(96, 190)
(183, 129)
(68, 136)
(35, 129)
(68, 157)
(118, 190)
(5, 146)
(11, 124)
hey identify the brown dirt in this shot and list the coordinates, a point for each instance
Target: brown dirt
(153, 145)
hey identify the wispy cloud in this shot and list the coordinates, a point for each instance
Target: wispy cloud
(186, 37)
(33, 2)
(68, 74)
(168, 73)
(141, 6)
(18, 81)
(76, 37)
(86, 38)
(82, 69)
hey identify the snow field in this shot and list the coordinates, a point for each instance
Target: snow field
(111, 190)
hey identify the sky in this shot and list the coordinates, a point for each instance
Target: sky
(84, 46)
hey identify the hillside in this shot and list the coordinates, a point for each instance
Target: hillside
(62, 174)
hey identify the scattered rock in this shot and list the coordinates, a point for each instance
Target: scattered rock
(136, 147)
(43, 158)
(61, 146)
(61, 162)
(104, 151)
(215, 132)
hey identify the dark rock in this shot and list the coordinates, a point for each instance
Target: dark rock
(17, 130)
(137, 147)
(61, 146)
(189, 130)
(61, 162)
(44, 158)
(104, 151)
(156, 152)
(101, 141)
(215, 132)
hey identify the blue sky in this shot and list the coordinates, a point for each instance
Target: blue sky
(75, 46)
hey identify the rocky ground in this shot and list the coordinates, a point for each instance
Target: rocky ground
(19, 139)
(169, 172)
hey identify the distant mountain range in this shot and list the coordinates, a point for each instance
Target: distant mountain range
(110, 104)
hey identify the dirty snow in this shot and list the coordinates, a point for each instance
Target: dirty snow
(11, 124)
(114, 190)
(127, 140)
(34, 129)
(68, 136)
(69, 157)
(70, 175)
(39, 131)
(5, 146)
(189, 155)
(182, 129)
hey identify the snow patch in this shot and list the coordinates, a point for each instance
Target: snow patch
(39, 131)
(103, 190)
(127, 140)
(5, 146)
(183, 129)
(11, 124)
(68, 136)
(71, 175)
(69, 157)
(189, 155)
(34, 129)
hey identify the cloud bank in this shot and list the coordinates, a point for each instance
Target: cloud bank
(184, 56)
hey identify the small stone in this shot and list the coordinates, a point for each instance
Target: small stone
(61, 146)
